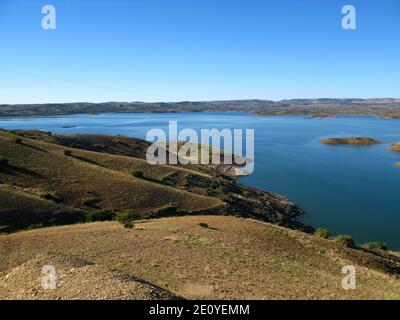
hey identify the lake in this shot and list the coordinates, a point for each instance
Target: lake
(347, 189)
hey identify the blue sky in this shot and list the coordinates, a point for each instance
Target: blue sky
(173, 50)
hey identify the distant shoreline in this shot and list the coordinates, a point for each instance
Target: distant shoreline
(315, 108)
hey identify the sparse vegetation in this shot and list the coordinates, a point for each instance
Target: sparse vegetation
(345, 240)
(375, 246)
(203, 225)
(322, 233)
(67, 152)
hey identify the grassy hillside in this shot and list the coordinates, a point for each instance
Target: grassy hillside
(39, 177)
(50, 179)
(225, 257)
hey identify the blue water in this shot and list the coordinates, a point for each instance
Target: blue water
(347, 189)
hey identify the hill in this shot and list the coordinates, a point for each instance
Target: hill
(49, 180)
(385, 108)
(223, 258)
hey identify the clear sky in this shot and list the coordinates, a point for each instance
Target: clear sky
(173, 50)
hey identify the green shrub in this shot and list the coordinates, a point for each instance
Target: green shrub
(67, 152)
(280, 217)
(129, 225)
(76, 146)
(226, 198)
(375, 246)
(345, 240)
(203, 225)
(214, 184)
(322, 233)
(99, 215)
(4, 161)
(137, 173)
(127, 217)
(18, 140)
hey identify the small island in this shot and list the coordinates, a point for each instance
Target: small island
(395, 147)
(397, 164)
(352, 140)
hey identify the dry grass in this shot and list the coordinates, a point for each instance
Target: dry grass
(238, 258)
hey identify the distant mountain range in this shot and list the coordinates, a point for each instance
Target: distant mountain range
(386, 108)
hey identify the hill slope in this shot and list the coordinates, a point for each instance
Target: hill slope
(50, 180)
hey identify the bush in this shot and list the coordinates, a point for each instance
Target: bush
(345, 240)
(127, 217)
(322, 233)
(137, 173)
(67, 152)
(226, 198)
(18, 140)
(214, 184)
(129, 225)
(76, 146)
(203, 225)
(4, 161)
(375, 246)
(99, 215)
